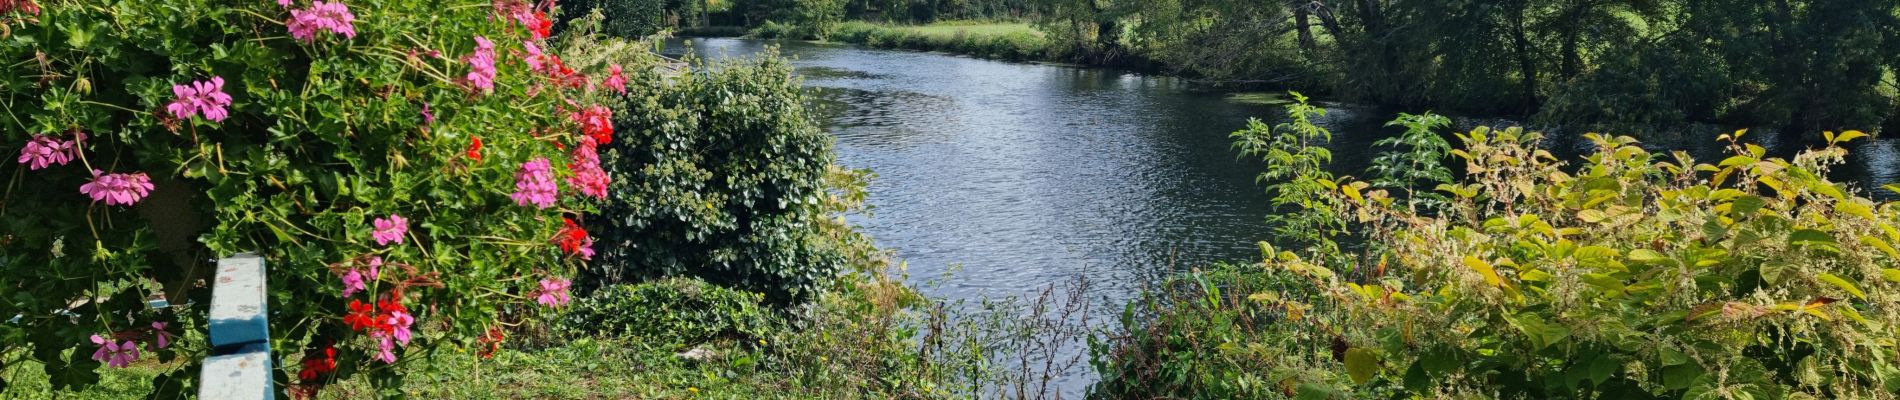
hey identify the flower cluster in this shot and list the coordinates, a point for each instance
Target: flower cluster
(200, 98)
(536, 21)
(534, 183)
(615, 80)
(553, 292)
(115, 353)
(597, 122)
(550, 65)
(43, 151)
(388, 323)
(317, 362)
(389, 230)
(117, 189)
(332, 16)
(481, 66)
(574, 240)
(589, 178)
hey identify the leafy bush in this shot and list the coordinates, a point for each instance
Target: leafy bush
(390, 160)
(1631, 275)
(676, 311)
(721, 174)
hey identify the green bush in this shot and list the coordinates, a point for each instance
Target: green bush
(1630, 275)
(678, 311)
(720, 174)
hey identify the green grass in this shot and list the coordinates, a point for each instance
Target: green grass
(1008, 41)
(951, 28)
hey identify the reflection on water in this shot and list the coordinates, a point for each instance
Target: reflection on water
(1027, 175)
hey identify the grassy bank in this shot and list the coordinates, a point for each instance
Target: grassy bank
(1012, 41)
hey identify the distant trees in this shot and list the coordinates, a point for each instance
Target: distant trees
(1624, 65)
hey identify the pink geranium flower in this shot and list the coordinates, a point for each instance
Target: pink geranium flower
(399, 322)
(588, 177)
(117, 189)
(164, 338)
(389, 230)
(117, 355)
(615, 80)
(352, 282)
(331, 16)
(375, 263)
(534, 183)
(553, 292)
(385, 350)
(42, 151)
(200, 98)
(481, 66)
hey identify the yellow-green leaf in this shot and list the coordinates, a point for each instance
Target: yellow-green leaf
(1484, 268)
(1892, 275)
(1842, 283)
(1645, 256)
(1361, 364)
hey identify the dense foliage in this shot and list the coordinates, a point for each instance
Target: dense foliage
(1629, 275)
(723, 175)
(676, 311)
(407, 169)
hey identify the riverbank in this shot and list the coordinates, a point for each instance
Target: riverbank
(1002, 41)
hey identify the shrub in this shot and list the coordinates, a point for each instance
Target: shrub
(343, 140)
(1631, 275)
(721, 175)
(679, 311)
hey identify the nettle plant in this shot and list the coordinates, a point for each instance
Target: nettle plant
(410, 170)
(1633, 275)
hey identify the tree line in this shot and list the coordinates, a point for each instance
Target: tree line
(1623, 65)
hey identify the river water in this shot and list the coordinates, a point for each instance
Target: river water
(1015, 176)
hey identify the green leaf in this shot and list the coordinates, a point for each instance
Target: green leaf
(1892, 275)
(1490, 274)
(1810, 237)
(1842, 283)
(1361, 364)
(1746, 206)
(1646, 256)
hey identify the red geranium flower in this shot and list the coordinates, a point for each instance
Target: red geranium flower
(597, 122)
(571, 237)
(475, 149)
(541, 26)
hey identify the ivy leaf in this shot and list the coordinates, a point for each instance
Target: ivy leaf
(1842, 283)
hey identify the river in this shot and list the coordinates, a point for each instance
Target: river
(1016, 176)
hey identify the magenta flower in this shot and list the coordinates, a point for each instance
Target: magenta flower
(553, 292)
(333, 16)
(481, 66)
(352, 283)
(587, 249)
(164, 338)
(615, 80)
(399, 322)
(534, 183)
(117, 355)
(427, 117)
(284, 3)
(42, 151)
(389, 230)
(385, 350)
(117, 189)
(200, 98)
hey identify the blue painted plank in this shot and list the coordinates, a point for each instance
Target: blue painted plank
(238, 303)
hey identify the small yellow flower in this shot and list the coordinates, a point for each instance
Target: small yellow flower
(692, 390)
